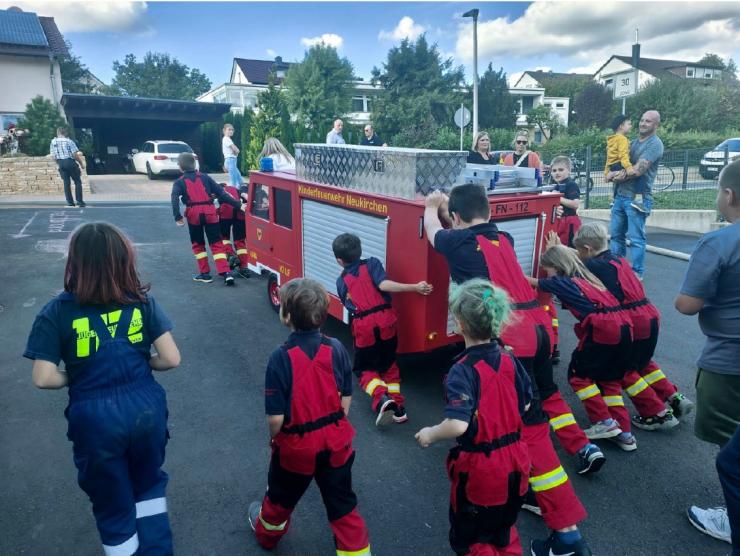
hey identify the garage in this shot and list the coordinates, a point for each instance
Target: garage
(116, 125)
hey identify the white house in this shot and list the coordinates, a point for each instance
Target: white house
(527, 98)
(650, 69)
(30, 47)
(250, 77)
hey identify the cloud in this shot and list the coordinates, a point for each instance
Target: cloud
(406, 29)
(80, 17)
(329, 39)
(589, 33)
(271, 53)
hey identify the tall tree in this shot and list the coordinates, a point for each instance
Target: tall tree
(419, 97)
(272, 120)
(319, 88)
(546, 120)
(594, 107)
(158, 76)
(495, 104)
(75, 75)
(41, 118)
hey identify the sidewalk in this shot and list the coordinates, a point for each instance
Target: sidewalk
(110, 189)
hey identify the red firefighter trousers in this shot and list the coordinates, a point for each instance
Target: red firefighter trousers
(653, 375)
(198, 235)
(238, 229)
(514, 548)
(377, 370)
(285, 489)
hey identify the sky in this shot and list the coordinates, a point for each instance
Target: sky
(559, 36)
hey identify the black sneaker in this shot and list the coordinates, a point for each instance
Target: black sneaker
(81, 205)
(400, 416)
(590, 460)
(233, 262)
(204, 277)
(553, 546)
(71, 205)
(680, 404)
(228, 279)
(655, 423)
(386, 409)
(530, 503)
(253, 514)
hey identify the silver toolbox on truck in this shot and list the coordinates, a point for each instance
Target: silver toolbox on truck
(392, 171)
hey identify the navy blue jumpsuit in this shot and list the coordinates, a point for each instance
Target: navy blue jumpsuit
(117, 415)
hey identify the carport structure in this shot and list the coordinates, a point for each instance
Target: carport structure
(119, 124)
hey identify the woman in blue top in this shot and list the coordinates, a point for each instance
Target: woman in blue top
(103, 326)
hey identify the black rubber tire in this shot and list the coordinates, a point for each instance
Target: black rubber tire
(272, 293)
(149, 173)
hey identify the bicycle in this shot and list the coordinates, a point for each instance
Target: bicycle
(577, 172)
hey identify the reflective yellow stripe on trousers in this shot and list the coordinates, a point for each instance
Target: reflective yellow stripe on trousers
(364, 552)
(202, 255)
(588, 392)
(564, 420)
(654, 377)
(614, 401)
(548, 480)
(394, 388)
(271, 527)
(373, 384)
(637, 387)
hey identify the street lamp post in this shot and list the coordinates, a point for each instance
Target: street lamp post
(474, 14)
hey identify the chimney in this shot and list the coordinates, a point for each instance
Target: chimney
(278, 59)
(636, 54)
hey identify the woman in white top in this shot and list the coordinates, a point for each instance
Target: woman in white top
(281, 158)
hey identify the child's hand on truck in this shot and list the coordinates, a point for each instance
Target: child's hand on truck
(423, 288)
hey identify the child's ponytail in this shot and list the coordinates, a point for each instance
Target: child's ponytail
(482, 308)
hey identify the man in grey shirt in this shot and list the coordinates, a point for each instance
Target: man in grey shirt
(334, 137)
(711, 288)
(626, 219)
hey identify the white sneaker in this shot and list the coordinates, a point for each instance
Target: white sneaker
(602, 430)
(712, 522)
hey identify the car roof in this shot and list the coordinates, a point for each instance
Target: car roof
(159, 141)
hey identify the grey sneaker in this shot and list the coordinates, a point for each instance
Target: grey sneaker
(680, 404)
(385, 412)
(712, 522)
(602, 430)
(626, 442)
(656, 423)
(254, 514)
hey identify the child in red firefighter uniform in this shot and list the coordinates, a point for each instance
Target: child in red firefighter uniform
(363, 288)
(602, 360)
(568, 222)
(474, 248)
(487, 392)
(618, 277)
(232, 223)
(308, 390)
(197, 192)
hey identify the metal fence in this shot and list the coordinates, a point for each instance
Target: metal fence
(686, 179)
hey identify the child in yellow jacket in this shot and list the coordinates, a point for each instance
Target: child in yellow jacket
(618, 156)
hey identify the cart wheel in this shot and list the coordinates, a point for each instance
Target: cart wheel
(272, 292)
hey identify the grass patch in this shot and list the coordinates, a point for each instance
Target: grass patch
(696, 199)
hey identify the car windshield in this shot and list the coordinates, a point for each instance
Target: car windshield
(732, 145)
(173, 148)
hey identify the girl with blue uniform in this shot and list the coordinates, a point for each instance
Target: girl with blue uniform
(103, 326)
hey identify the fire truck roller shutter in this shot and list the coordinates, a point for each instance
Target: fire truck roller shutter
(322, 223)
(524, 231)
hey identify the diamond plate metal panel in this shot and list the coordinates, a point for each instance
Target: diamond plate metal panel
(395, 172)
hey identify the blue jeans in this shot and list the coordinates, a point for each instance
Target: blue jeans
(235, 177)
(728, 468)
(626, 222)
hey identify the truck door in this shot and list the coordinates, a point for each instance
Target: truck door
(272, 233)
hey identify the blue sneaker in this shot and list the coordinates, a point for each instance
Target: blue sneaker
(205, 278)
(553, 546)
(590, 459)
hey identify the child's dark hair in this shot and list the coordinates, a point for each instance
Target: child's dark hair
(482, 308)
(619, 120)
(305, 301)
(469, 201)
(101, 267)
(347, 247)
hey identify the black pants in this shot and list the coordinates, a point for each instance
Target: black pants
(378, 357)
(539, 369)
(68, 169)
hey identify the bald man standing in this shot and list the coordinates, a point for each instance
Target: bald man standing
(334, 137)
(627, 217)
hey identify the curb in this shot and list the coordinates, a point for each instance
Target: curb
(665, 252)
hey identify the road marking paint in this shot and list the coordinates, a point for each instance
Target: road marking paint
(57, 220)
(52, 246)
(24, 228)
(30, 303)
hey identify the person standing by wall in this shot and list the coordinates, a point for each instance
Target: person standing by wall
(481, 151)
(522, 156)
(711, 289)
(334, 137)
(70, 161)
(372, 139)
(627, 217)
(231, 151)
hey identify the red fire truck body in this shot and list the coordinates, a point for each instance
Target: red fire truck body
(291, 224)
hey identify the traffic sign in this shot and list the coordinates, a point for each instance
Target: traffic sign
(462, 117)
(625, 84)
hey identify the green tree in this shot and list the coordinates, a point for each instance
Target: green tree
(272, 120)
(41, 118)
(319, 88)
(546, 120)
(593, 106)
(420, 95)
(495, 104)
(157, 76)
(74, 73)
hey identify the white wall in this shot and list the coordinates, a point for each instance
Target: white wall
(24, 77)
(615, 67)
(528, 82)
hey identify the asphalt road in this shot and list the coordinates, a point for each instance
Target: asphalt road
(218, 453)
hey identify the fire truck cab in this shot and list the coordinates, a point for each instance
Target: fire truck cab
(378, 194)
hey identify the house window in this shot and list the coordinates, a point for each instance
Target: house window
(609, 84)
(538, 137)
(280, 74)
(548, 104)
(283, 208)
(559, 105)
(527, 104)
(368, 104)
(689, 72)
(358, 104)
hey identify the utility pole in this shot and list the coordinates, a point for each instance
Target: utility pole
(474, 14)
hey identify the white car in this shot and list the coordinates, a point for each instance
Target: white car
(159, 157)
(712, 162)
